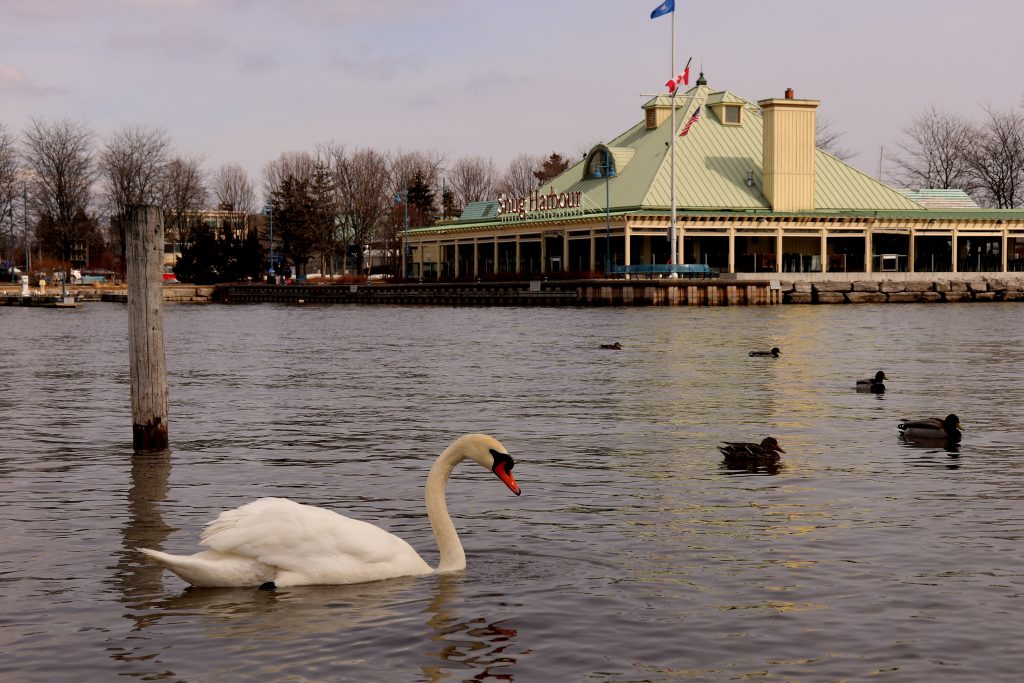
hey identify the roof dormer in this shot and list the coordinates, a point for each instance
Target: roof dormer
(727, 108)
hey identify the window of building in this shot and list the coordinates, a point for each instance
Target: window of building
(601, 164)
(731, 115)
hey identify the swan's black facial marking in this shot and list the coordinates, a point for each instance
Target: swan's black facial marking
(503, 464)
(502, 457)
(268, 586)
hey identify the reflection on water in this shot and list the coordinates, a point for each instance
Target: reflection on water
(485, 650)
(634, 554)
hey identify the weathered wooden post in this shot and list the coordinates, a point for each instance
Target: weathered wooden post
(145, 251)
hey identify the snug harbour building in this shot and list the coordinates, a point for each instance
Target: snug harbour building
(754, 198)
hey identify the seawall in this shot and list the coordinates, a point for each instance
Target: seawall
(902, 291)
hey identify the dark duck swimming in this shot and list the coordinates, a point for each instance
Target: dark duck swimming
(742, 454)
(774, 353)
(872, 385)
(932, 429)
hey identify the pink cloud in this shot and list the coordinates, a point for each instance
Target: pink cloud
(13, 82)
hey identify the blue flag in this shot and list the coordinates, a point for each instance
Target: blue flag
(664, 8)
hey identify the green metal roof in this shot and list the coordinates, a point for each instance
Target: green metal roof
(712, 166)
(713, 162)
(487, 209)
(940, 198)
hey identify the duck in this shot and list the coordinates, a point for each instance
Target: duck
(747, 454)
(616, 346)
(872, 385)
(774, 353)
(276, 542)
(932, 429)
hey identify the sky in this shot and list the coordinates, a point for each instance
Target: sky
(241, 81)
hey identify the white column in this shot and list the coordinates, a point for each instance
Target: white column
(824, 249)
(778, 251)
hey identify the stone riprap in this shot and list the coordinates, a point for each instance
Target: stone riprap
(916, 291)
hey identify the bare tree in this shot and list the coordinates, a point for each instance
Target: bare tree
(934, 153)
(326, 205)
(473, 179)
(826, 138)
(232, 189)
(62, 170)
(996, 158)
(133, 163)
(296, 164)
(363, 180)
(519, 179)
(405, 166)
(8, 188)
(183, 192)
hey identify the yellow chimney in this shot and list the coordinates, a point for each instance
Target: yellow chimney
(789, 148)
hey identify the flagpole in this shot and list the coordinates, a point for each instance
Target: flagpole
(673, 237)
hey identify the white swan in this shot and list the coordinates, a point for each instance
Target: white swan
(275, 542)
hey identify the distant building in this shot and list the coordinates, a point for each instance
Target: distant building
(754, 195)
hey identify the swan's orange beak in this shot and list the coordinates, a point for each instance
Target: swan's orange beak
(501, 469)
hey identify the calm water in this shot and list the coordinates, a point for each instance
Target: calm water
(631, 555)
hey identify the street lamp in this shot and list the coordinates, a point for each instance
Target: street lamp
(24, 224)
(403, 197)
(268, 210)
(607, 170)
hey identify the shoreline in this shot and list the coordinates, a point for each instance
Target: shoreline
(725, 291)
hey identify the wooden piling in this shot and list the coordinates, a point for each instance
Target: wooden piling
(145, 252)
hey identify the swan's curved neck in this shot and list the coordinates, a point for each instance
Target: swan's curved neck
(453, 557)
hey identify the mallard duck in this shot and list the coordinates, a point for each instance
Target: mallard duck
(932, 429)
(616, 346)
(746, 454)
(774, 353)
(872, 385)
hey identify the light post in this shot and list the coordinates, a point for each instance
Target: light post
(403, 197)
(608, 171)
(24, 224)
(268, 210)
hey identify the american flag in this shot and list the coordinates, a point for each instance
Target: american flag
(693, 120)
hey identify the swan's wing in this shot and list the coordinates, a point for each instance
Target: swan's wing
(292, 536)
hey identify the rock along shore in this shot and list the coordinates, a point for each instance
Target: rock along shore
(909, 291)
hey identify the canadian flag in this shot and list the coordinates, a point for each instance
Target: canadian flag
(681, 79)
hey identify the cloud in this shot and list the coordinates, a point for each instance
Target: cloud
(174, 40)
(50, 10)
(13, 82)
(360, 62)
(345, 10)
(371, 9)
(258, 61)
(487, 81)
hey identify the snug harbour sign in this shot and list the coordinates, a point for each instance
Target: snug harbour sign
(537, 205)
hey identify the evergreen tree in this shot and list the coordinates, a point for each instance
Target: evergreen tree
(202, 260)
(552, 167)
(294, 216)
(422, 211)
(449, 205)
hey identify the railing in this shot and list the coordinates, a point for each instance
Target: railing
(691, 270)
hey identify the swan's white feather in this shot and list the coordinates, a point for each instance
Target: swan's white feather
(291, 544)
